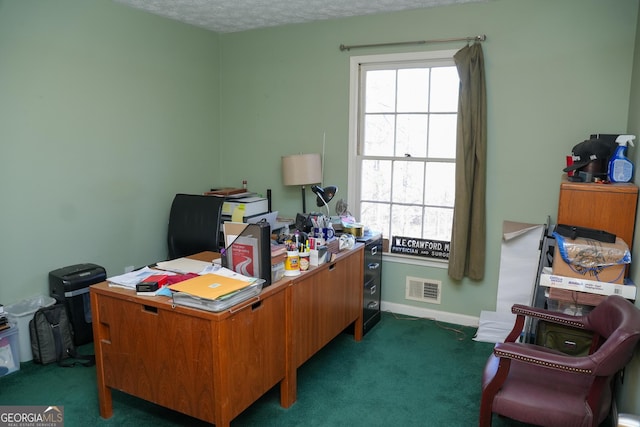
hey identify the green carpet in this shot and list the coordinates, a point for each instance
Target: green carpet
(405, 372)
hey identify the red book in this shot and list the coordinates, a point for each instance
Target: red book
(160, 279)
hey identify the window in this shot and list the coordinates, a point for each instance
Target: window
(403, 148)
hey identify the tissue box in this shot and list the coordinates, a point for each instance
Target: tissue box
(318, 256)
(277, 271)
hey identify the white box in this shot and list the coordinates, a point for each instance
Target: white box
(591, 286)
(251, 205)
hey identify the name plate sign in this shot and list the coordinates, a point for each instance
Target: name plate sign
(426, 248)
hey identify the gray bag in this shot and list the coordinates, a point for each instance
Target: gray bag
(52, 338)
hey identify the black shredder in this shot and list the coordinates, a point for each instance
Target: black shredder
(70, 286)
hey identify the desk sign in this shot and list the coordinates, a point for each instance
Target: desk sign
(426, 248)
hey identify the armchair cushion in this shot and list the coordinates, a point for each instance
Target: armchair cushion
(562, 394)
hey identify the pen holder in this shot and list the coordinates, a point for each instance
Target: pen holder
(292, 263)
(304, 261)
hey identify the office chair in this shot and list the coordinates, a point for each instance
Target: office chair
(542, 386)
(194, 224)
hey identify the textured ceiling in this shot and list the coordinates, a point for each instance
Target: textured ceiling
(226, 16)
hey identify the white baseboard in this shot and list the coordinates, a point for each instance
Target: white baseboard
(442, 316)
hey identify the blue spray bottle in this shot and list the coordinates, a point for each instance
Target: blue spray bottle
(620, 167)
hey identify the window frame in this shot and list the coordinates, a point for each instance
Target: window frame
(353, 173)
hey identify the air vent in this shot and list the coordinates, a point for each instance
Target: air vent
(425, 290)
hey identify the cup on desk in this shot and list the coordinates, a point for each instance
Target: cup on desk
(324, 233)
(304, 261)
(292, 263)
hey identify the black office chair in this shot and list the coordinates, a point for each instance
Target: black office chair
(194, 224)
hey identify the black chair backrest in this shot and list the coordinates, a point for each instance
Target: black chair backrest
(194, 224)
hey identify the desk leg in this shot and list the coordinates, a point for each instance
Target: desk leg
(105, 402)
(357, 328)
(288, 386)
(223, 422)
(288, 389)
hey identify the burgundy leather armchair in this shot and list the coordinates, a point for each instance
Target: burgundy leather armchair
(542, 386)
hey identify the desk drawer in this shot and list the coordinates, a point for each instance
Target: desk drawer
(141, 346)
(172, 358)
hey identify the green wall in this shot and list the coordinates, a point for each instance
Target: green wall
(105, 113)
(556, 72)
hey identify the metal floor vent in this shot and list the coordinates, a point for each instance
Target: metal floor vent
(425, 290)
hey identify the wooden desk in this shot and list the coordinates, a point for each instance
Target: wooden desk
(212, 366)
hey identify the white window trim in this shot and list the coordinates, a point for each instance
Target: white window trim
(352, 172)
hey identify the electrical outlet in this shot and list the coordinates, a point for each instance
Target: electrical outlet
(129, 268)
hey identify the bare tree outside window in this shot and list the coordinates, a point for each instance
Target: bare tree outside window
(406, 145)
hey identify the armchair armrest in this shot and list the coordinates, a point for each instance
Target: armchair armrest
(523, 311)
(545, 358)
(550, 316)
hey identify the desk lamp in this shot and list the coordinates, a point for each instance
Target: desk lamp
(324, 195)
(302, 169)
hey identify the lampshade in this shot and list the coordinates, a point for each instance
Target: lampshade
(324, 195)
(301, 169)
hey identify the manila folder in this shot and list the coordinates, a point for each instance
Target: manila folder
(210, 286)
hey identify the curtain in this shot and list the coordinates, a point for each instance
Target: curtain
(468, 236)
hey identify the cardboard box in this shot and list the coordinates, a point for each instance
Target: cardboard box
(610, 274)
(627, 290)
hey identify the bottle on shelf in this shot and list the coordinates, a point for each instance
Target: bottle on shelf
(620, 167)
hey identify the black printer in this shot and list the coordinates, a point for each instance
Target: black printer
(70, 286)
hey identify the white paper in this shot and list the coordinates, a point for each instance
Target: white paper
(269, 217)
(494, 327)
(183, 265)
(519, 259)
(131, 279)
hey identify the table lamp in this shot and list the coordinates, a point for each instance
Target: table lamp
(325, 194)
(302, 169)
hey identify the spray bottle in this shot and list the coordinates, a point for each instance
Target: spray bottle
(620, 167)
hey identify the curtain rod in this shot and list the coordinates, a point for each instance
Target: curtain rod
(458, 39)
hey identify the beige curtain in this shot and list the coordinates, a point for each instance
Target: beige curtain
(468, 237)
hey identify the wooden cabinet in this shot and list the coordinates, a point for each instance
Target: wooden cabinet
(174, 356)
(325, 303)
(212, 366)
(609, 207)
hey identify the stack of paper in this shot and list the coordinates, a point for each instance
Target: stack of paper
(184, 265)
(215, 292)
(131, 279)
(210, 286)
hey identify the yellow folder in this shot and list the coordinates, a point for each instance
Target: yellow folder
(210, 286)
